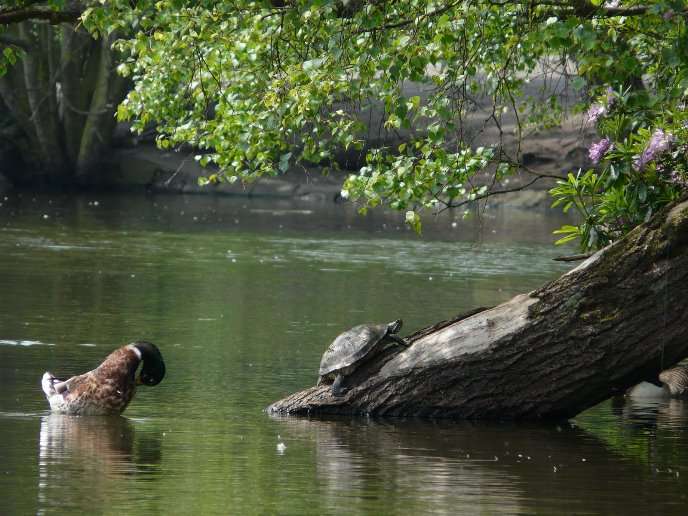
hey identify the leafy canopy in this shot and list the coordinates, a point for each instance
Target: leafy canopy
(259, 86)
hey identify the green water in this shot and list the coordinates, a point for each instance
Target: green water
(242, 297)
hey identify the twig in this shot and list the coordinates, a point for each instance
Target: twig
(403, 23)
(573, 257)
(490, 194)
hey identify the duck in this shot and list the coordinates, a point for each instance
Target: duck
(107, 389)
(675, 380)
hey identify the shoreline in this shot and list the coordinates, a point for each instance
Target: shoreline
(144, 167)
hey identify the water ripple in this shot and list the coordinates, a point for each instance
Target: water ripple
(24, 343)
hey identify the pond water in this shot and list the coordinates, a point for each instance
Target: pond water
(242, 297)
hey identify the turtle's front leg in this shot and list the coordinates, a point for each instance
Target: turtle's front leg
(399, 340)
(338, 387)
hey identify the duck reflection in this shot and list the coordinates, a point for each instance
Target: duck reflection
(673, 413)
(102, 443)
(647, 406)
(99, 450)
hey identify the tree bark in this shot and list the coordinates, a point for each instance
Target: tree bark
(99, 122)
(73, 51)
(40, 88)
(14, 94)
(619, 318)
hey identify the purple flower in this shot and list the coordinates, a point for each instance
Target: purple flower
(678, 179)
(611, 97)
(668, 14)
(599, 149)
(659, 143)
(595, 111)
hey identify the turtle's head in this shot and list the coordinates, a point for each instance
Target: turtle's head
(395, 326)
(153, 370)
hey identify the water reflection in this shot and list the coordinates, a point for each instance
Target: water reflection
(651, 410)
(245, 310)
(90, 451)
(450, 467)
(673, 412)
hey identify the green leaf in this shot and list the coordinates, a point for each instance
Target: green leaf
(10, 55)
(566, 239)
(313, 64)
(413, 220)
(566, 228)
(284, 162)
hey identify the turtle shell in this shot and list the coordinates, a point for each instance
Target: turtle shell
(352, 346)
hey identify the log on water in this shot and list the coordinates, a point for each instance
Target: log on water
(618, 318)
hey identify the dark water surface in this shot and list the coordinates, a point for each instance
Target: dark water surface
(242, 297)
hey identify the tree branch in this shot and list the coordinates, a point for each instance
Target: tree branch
(437, 12)
(573, 257)
(15, 42)
(581, 8)
(493, 193)
(10, 16)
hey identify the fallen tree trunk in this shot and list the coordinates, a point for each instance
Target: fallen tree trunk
(617, 319)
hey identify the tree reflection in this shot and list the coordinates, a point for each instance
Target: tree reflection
(501, 468)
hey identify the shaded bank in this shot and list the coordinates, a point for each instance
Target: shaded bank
(139, 167)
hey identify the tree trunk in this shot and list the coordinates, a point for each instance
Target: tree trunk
(41, 91)
(62, 93)
(14, 94)
(108, 91)
(618, 318)
(75, 50)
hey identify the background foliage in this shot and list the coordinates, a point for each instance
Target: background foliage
(259, 86)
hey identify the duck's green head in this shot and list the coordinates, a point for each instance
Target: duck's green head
(153, 369)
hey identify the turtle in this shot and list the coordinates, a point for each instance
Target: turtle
(349, 350)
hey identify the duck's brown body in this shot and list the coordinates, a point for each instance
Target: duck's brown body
(106, 390)
(675, 380)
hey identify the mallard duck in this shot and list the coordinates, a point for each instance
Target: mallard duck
(109, 388)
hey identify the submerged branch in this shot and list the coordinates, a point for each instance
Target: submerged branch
(573, 257)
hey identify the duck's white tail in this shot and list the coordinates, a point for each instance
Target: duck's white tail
(47, 382)
(52, 385)
(55, 391)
